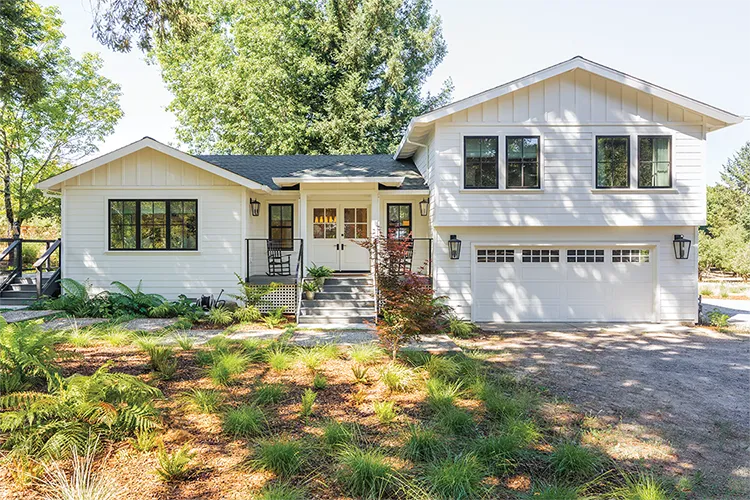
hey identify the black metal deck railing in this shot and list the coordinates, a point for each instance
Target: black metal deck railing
(47, 258)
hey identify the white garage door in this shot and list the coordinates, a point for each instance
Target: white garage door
(563, 284)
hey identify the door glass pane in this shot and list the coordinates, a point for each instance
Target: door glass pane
(319, 231)
(362, 230)
(349, 230)
(349, 215)
(361, 215)
(318, 215)
(330, 231)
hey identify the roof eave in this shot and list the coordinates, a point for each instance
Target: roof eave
(291, 181)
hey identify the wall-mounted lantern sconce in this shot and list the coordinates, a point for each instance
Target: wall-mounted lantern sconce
(423, 206)
(681, 247)
(255, 207)
(454, 246)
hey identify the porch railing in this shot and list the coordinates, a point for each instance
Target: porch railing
(288, 271)
(13, 265)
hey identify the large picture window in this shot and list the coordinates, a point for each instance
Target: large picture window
(480, 163)
(522, 162)
(654, 162)
(399, 220)
(612, 160)
(153, 224)
(281, 224)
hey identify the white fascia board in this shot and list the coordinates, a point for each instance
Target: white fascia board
(577, 62)
(148, 142)
(291, 181)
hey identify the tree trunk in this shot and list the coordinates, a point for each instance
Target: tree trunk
(14, 227)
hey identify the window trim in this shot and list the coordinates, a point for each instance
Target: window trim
(138, 248)
(291, 226)
(497, 162)
(538, 161)
(388, 217)
(638, 160)
(596, 160)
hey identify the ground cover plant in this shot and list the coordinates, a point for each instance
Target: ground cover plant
(228, 425)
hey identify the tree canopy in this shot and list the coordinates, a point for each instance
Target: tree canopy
(302, 76)
(38, 139)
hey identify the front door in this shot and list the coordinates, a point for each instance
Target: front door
(336, 229)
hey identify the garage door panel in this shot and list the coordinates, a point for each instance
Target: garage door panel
(580, 290)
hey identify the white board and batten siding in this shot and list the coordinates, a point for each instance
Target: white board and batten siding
(149, 174)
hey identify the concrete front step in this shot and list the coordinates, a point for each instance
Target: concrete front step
(343, 296)
(329, 311)
(348, 281)
(19, 294)
(15, 301)
(334, 320)
(342, 303)
(347, 289)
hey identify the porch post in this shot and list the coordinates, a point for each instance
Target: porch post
(303, 227)
(374, 220)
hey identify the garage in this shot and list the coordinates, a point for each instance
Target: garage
(535, 283)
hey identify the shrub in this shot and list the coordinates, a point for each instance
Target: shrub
(83, 483)
(226, 366)
(244, 421)
(50, 424)
(498, 453)
(319, 382)
(247, 314)
(279, 358)
(174, 466)
(162, 361)
(220, 316)
(281, 492)
(204, 400)
(270, 393)
(274, 318)
(718, 319)
(281, 456)
(455, 420)
(442, 395)
(365, 473)
(365, 354)
(307, 403)
(422, 444)
(462, 328)
(570, 460)
(456, 478)
(128, 301)
(144, 441)
(386, 411)
(397, 377)
(336, 434)
(361, 374)
(27, 356)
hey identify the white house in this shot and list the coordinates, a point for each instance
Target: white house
(565, 188)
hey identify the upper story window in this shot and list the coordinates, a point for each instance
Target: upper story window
(522, 161)
(654, 162)
(480, 163)
(153, 224)
(612, 160)
(281, 224)
(399, 220)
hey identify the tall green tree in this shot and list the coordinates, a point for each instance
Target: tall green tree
(736, 174)
(302, 76)
(23, 70)
(38, 139)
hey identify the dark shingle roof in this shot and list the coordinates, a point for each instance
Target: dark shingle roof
(262, 169)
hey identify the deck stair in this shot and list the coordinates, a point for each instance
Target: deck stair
(21, 291)
(346, 298)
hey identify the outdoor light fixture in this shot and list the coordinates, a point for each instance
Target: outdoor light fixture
(423, 206)
(255, 207)
(454, 245)
(681, 247)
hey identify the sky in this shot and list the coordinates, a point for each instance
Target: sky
(696, 48)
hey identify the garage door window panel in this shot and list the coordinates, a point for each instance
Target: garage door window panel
(540, 256)
(495, 255)
(586, 255)
(631, 255)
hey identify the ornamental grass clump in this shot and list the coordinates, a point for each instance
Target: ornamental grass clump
(366, 354)
(386, 411)
(423, 444)
(337, 434)
(396, 377)
(270, 393)
(456, 478)
(571, 460)
(204, 400)
(365, 473)
(280, 455)
(226, 367)
(443, 395)
(245, 421)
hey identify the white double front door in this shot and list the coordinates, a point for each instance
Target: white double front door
(335, 229)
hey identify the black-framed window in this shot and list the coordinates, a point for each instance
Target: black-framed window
(281, 224)
(153, 225)
(480, 163)
(522, 162)
(612, 162)
(654, 161)
(399, 220)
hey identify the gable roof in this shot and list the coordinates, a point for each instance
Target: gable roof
(334, 168)
(147, 142)
(417, 124)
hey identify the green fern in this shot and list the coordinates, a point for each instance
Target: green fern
(27, 355)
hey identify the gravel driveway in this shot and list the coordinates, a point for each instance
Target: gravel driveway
(688, 387)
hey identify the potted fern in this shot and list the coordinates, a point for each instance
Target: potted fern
(319, 273)
(310, 287)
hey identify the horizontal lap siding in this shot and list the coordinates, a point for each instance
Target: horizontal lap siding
(220, 219)
(677, 279)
